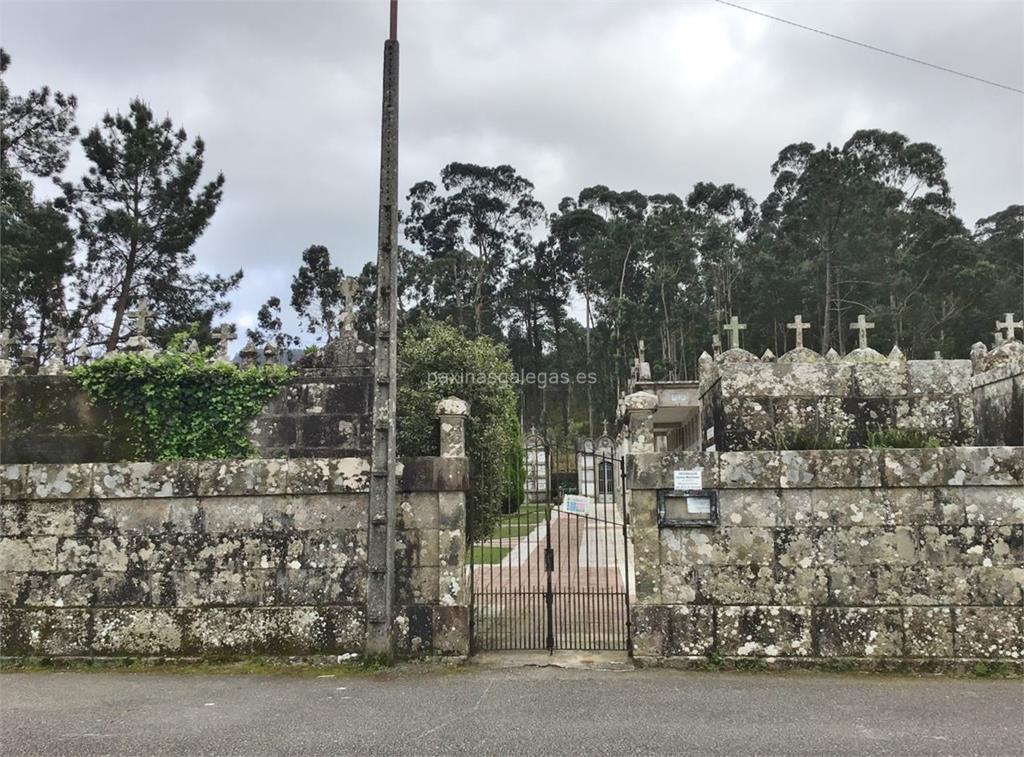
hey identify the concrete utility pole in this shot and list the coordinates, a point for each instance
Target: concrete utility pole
(381, 537)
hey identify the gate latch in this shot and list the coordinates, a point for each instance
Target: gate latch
(549, 560)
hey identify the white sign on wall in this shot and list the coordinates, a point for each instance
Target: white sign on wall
(687, 479)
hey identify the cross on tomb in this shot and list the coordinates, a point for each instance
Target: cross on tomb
(223, 335)
(799, 326)
(1010, 326)
(349, 287)
(734, 327)
(862, 326)
(5, 344)
(604, 427)
(140, 315)
(59, 342)
(533, 430)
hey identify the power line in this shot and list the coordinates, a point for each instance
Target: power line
(870, 47)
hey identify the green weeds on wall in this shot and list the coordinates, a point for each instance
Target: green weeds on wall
(180, 405)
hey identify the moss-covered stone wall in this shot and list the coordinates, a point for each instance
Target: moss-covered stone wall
(222, 557)
(49, 419)
(911, 556)
(749, 405)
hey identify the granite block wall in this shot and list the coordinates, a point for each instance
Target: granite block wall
(221, 557)
(877, 557)
(49, 419)
(323, 411)
(998, 385)
(745, 405)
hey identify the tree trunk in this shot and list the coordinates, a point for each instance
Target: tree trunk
(826, 324)
(478, 294)
(129, 274)
(586, 332)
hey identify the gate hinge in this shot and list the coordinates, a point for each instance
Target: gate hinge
(549, 560)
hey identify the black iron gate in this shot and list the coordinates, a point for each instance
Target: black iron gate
(553, 571)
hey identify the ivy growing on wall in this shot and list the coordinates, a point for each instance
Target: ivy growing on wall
(180, 405)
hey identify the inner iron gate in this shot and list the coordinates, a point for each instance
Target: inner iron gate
(553, 572)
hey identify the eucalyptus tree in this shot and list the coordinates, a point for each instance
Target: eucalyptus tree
(316, 292)
(472, 230)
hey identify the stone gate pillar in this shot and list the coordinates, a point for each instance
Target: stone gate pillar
(640, 407)
(452, 412)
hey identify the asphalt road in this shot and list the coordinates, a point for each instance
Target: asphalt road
(522, 711)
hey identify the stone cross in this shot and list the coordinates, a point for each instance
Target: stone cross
(1010, 326)
(140, 315)
(862, 326)
(533, 430)
(799, 326)
(734, 328)
(349, 287)
(223, 335)
(59, 342)
(5, 344)
(604, 427)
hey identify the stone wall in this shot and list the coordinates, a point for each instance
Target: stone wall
(49, 419)
(915, 556)
(998, 385)
(222, 557)
(747, 403)
(322, 412)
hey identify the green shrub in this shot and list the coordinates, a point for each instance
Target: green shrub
(180, 405)
(437, 361)
(808, 438)
(891, 437)
(993, 669)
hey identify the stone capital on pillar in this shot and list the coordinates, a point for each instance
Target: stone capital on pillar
(452, 412)
(640, 407)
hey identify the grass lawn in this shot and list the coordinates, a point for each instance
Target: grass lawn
(518, 525)
(488, 555)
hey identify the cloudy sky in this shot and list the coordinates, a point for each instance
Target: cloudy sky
(644, 94)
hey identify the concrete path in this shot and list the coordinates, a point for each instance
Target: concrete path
(542, 711)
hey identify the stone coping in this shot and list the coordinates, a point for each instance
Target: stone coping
(216, 478)
(1001, 372)
(849, 468)
(886, 378)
